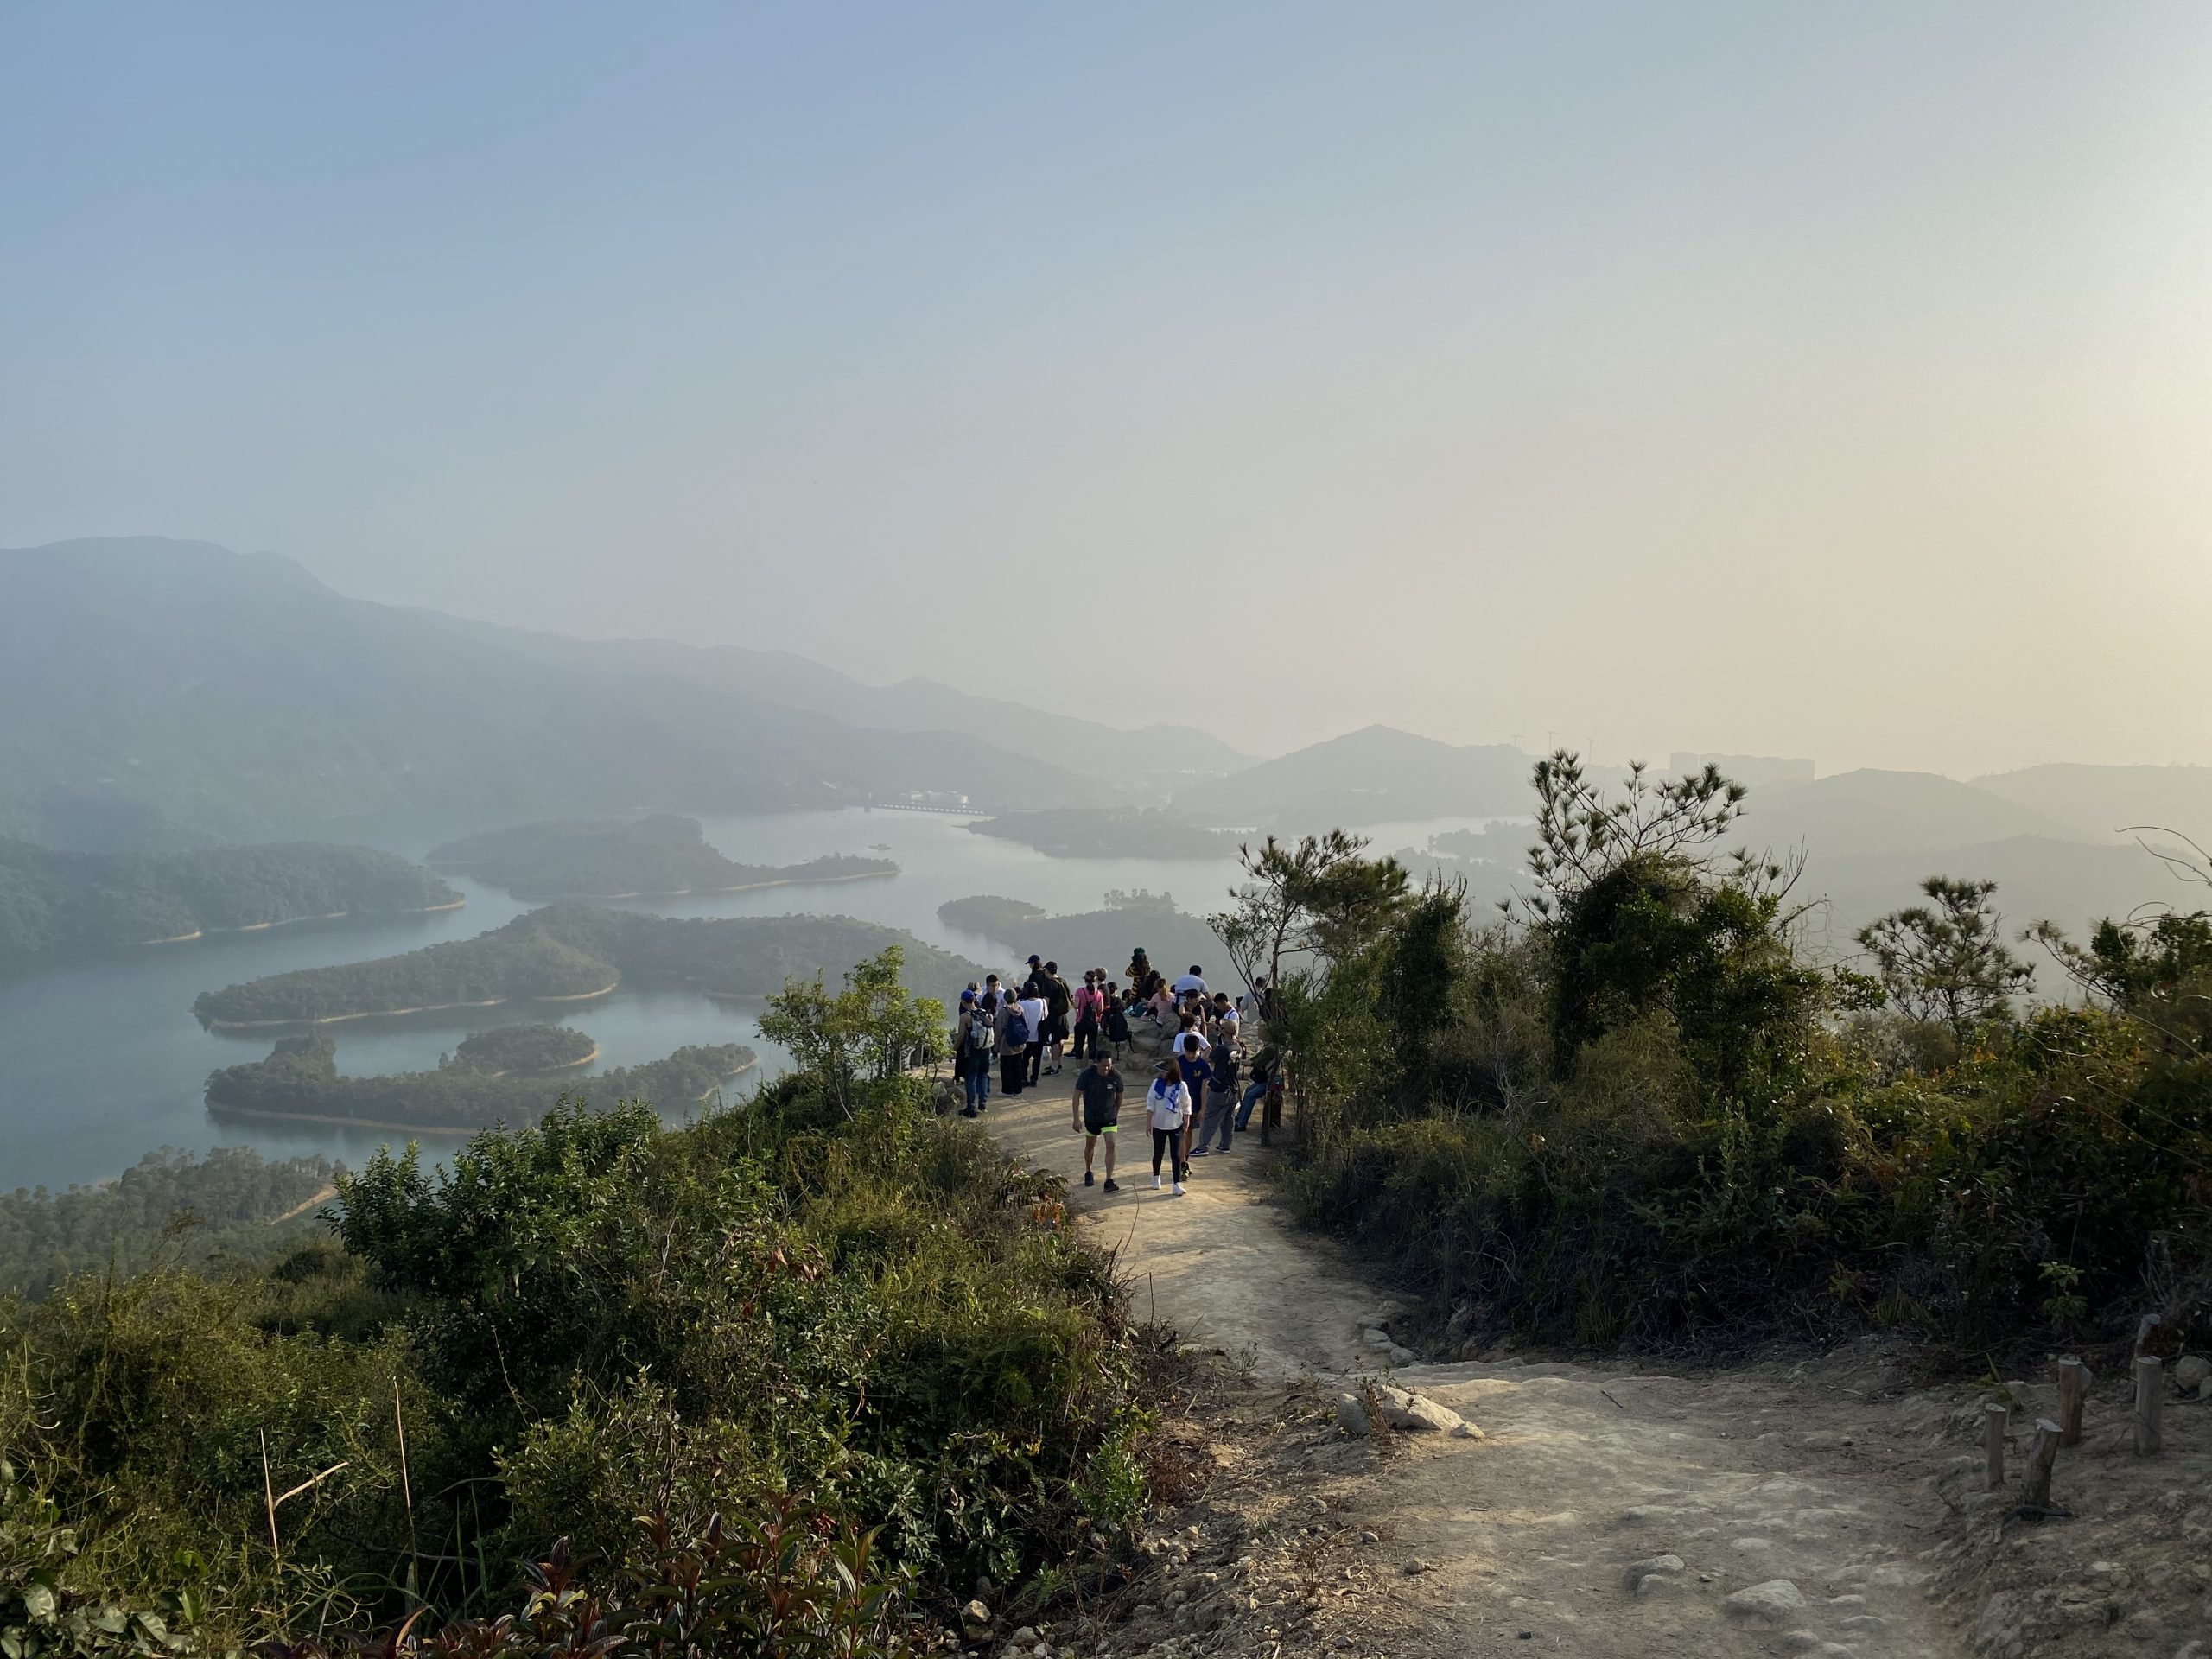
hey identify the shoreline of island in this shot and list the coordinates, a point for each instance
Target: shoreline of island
(695, 892)
(295, 921)
(212, 1023)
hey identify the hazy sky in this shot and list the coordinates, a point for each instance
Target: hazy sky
(1803, 379)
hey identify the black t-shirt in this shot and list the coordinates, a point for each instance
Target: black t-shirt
(1101, 1090)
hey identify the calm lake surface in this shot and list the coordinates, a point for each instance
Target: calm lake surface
(101, 1060)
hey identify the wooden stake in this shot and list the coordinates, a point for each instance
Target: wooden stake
(2072, 1396)
(2146, 1328)
(2042, 1452)
(1994, 1417)
(2150, 1400)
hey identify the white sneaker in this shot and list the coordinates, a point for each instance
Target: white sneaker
(1155, 1182)
(1179, 1188)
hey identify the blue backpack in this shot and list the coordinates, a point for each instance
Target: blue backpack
(1017, 1029)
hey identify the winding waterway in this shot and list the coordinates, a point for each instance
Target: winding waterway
(101, 1060)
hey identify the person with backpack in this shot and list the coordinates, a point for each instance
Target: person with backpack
(1167, 1109)
(1221, 1099)
(1011, 1035)
(1190, 1057)
(1058, 1000)
(1117, 1031)
(1098, 1111)
(1088, 1007)
(972, 1046)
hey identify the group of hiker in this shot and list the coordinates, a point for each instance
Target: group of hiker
(1196, 1103)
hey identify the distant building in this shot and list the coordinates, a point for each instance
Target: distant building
(1756, 769)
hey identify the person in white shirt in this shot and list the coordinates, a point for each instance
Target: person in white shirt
(1190, 982)
(1033, 1010)
(1167, 1108)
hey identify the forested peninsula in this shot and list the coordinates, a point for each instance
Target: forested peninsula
(300, 1080)
(53, 900)
(661, 856)
(573, 953)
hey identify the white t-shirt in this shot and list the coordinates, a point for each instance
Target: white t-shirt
(1166, 1106)
(1190, 983)
(1033, 1010)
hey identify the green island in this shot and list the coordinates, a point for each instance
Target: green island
(222, 1207)
(573, 953)
(661, 856)
(57, 901)
(1005, 919)
(1098, 832)
(522, 1048)
(300, 1081)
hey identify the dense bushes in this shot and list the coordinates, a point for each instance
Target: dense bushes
(829, 1345)
(1634, 1112)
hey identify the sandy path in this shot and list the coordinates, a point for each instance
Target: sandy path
(1748, 1476)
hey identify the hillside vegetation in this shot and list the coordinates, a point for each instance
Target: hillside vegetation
(781, 1382)
(300, 1078)
(169, 1206)
(57, 901)
(664, 854)
(574, 951)
(1634, 1111)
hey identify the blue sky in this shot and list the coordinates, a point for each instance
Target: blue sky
(1819, 380)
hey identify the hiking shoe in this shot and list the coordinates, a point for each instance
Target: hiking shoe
(1086, 1178)
(1112, 1186)
(970, 1112)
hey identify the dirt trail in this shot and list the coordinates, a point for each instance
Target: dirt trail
(1521, 1541)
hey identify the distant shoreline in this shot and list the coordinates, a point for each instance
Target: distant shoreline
(293, 921)
(394, 1013)
(221, 1110)
(689, 892)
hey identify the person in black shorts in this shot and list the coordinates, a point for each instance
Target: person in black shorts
(1098, 1111)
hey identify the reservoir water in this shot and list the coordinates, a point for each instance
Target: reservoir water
(101, 1060)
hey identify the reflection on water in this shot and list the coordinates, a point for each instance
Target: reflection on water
(101, 1060)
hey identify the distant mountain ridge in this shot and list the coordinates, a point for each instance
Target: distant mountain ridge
(1156, 755)
(156, 690)
(1368, 776)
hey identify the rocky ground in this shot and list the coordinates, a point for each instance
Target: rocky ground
(1830, 1504)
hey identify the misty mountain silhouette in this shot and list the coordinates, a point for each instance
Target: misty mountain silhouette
(172, 686)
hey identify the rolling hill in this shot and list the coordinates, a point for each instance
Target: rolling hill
(180, 689)
(1369, 776)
